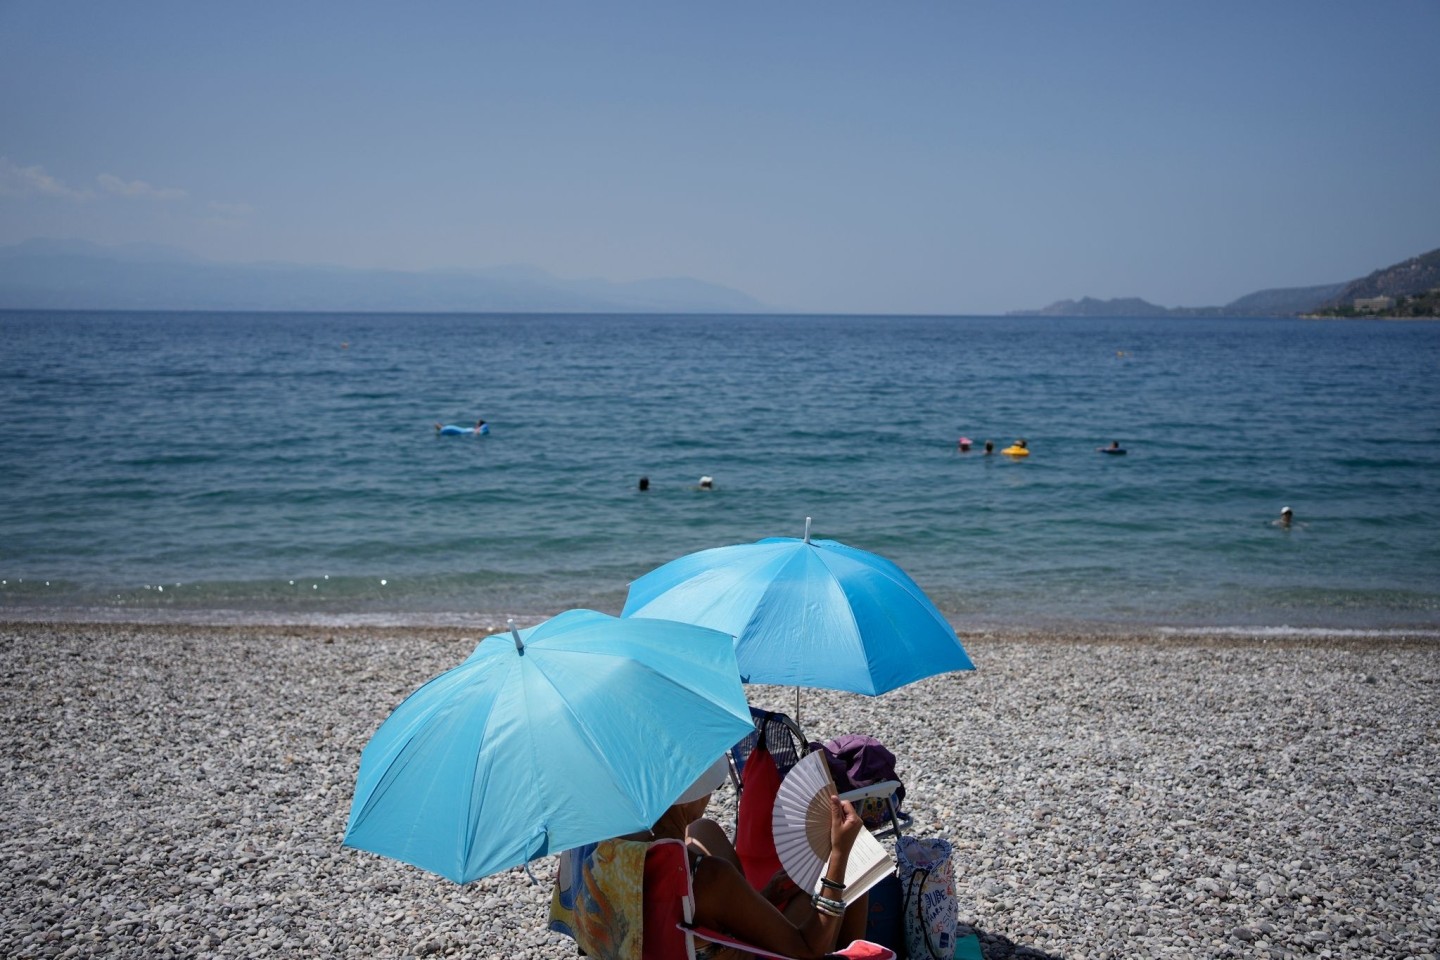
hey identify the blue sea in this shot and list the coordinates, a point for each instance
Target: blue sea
(285, 468)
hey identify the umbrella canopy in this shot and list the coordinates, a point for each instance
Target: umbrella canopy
(582, 728)
(812, 613)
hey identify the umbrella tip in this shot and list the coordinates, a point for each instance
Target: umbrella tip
(519, 644)
(807, 529)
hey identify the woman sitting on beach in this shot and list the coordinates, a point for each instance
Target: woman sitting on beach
(781, 919)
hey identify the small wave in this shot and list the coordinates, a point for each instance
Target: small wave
(265, 618)
(1379, 463)
(1283, 631)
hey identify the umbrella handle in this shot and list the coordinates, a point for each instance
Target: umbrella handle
(807, 529)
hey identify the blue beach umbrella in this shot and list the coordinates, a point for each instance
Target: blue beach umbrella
(808, 613)
(582, 728)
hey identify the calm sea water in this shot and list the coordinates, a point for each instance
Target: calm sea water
(242, 466)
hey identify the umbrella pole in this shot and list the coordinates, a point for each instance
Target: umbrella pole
(797, 686)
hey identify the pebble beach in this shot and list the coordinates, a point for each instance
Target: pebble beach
(182, 791)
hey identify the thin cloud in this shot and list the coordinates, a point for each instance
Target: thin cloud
(139, 188)
(227, 215)
(18, 181)
(232, 211)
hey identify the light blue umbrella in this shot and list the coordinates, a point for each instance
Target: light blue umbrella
(582, 728)
(812, 613)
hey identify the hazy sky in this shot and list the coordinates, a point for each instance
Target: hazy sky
(940, 157)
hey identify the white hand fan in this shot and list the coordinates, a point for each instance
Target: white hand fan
(801, 820)
(801, 825)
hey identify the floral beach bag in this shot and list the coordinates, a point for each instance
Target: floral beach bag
(930, 907)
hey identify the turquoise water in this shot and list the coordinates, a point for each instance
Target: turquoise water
(262, 465)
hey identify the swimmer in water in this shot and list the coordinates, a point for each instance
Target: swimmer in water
(476, 430)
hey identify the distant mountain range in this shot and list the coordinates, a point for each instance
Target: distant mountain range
(1414, 276)
(78, 275)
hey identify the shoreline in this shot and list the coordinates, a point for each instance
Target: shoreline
(487, 623)
(173, 790)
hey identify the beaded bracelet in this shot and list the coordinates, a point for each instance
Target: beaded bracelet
(835, 885)
(834, 908)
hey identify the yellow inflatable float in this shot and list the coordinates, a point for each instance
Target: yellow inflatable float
(1017, 449)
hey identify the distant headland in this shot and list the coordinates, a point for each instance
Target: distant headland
(43, 274)
(1410, 289)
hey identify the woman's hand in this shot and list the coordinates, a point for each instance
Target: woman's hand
(845, 825)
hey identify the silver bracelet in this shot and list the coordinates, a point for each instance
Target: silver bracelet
(834, 908)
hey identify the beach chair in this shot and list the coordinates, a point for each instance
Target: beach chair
(877, 804)
(785, 741)
(758, 763)
(781, 737)
(603, 918)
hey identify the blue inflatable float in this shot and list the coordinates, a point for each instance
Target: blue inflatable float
(451, 430)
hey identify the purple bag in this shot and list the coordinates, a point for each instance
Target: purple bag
(856, 760)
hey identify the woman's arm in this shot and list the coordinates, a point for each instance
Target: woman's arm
(724, 901)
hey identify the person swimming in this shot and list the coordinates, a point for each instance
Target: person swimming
(1114, 448)
(450, 430)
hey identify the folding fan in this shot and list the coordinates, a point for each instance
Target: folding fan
(801, 825)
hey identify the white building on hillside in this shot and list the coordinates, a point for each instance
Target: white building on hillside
(1374, 304)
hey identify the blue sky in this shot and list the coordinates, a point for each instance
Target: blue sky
(929, 157)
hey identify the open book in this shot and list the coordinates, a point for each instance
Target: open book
(801, 824)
